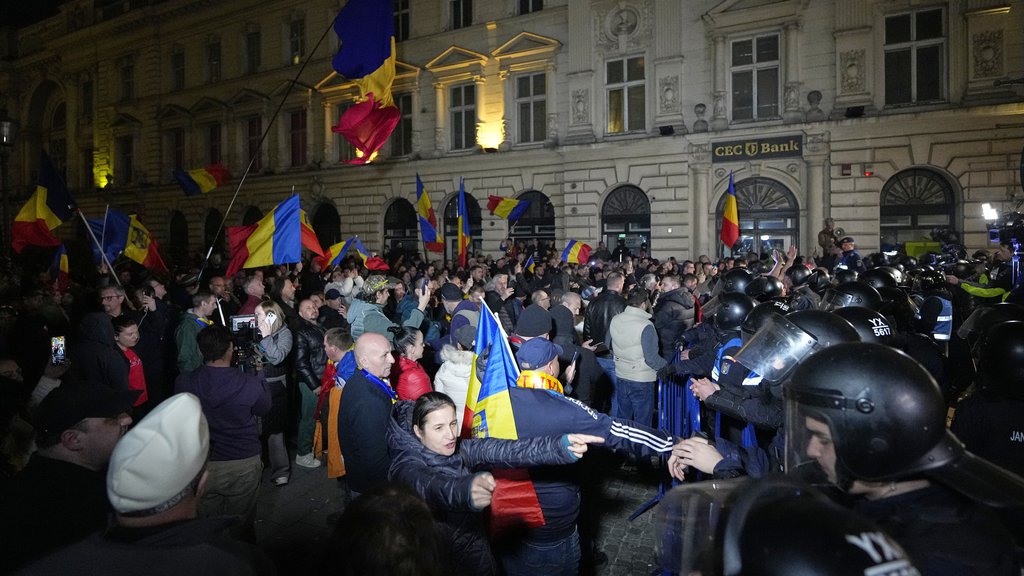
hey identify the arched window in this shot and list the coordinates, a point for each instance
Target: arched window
(252, 215)
(538, 223)
(327, 225)
(626, 218)
(769, 216)
(177, 249)
(401, 227)
(451, 225)
(210, 227)
(913, 202)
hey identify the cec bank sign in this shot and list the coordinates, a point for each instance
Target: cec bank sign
(757, 149)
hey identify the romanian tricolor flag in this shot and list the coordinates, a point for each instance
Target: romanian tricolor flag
(463, 226)
(489, 415)
(142, 248)
(366, 29)
(277, 238)
(201, 180)
(530, 265)
(730, 217)
(576, 252)
(428, 220)
(309, 239)
(47, 208)
(507, 208)
(59, 269)
(335, 254)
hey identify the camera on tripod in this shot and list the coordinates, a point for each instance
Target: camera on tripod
(245, 337)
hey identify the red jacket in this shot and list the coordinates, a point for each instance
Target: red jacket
(411, 380)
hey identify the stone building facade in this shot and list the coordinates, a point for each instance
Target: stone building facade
(621, 120)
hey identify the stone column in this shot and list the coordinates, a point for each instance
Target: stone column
(816, 151)
(791, 89)
(719, 108)
(700, 167)
(440, 120)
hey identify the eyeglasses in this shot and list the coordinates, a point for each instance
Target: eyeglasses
(105, 298)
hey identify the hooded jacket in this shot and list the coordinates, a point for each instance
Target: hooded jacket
(673, 314)
(452, 377)
(95, 358)
(445, 482)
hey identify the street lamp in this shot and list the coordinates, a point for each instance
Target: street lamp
(8, 134)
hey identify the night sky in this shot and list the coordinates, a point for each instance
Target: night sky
(19, 13)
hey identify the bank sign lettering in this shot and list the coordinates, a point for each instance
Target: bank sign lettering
(757, 149)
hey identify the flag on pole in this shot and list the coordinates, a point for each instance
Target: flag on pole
(335, 254)
(366, 30)
(576, 252)
(309, 238)
(489, 415)
(59, 269)
(730, 217)
(507, 208)
(112, 234)
(428, 219)
(530, 264)
(464, 237)
(275, 239)
(49, 206)
(201, 180)
(142, 248)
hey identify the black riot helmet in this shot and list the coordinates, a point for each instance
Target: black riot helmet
(782, 342)
(896, 304)
(878, 278)
(764, 288)
(844, 275)
(962, 269)
(760, 314)
(851, 294)
(863, 411)
(984, 317)
(929, 280)
(733, 309)
(797, 275)
(870, 325)
(819, 281)
(1001, 360)
(735, 280)
(909, 262)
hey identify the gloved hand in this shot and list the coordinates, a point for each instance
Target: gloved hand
(668, 371)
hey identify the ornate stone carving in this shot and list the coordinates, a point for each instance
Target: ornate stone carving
(851, 70)
(623, 26)
(987, 48)
(668, 88)
(700, 125)
(580, 106)
(719, 111)
(817, 143)
(440, 143)
(791, 96)
(700, 152)
(552, 127)
(814, 101)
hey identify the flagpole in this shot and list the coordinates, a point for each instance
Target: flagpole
(259, 145)
(103, 255)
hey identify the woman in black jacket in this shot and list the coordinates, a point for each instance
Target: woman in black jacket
(427, 455)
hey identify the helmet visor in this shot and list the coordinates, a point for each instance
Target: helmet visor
(833, 300)
(776, 348)
(810, 450)
(710, 308)
(686, 526)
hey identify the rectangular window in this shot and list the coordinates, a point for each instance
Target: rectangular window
(297, 138)
(252, 52)
(87, 98)
(213, 143)
(915, 57)
(401, 138)
(627, 95)
(531, 107)
(527, 6)
(401, 9)
(178, 70)
(755, 78)
(347, 151)
(124, 169)
(463, 113)
(213, 62)
(177, 147)
(462, 13)
(253, 133)
(88, 178)
(127, 79)
(297, 40)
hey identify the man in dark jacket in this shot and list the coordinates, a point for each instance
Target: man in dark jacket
(155, 480)
(95, 357)
(595, 325)
(673, 315)
(310, 361)
(363, 413)
(231, 401)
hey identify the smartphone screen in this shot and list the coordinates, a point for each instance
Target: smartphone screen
(57, 350)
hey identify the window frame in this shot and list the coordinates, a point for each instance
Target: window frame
(460, 13)
(753, 68)
(296, 40)
(625, 87)
(298, 147)
(126, 78)
(531, 100)
(402, 19)
(214, 62)
(530, 6)
(178, 70)
(462, 109)
(253, 43)
(401, 138)
(124, 170)
(913, 45)
(214, 134)
(252, 140)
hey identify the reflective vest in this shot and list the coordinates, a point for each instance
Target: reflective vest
(944, 322)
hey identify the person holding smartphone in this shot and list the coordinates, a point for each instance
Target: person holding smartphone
(275, 346)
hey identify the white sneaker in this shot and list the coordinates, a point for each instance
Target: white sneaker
(307, 461)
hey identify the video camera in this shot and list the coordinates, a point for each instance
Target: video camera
(1009, 230)
(245, 337)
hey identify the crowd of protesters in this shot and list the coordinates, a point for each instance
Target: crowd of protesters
(365, 372)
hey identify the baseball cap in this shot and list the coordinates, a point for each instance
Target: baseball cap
(846, 239)
(155, 461)
(451, 292)
(69, 404)
(332, 294)
(536, 353)
(534, 321)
